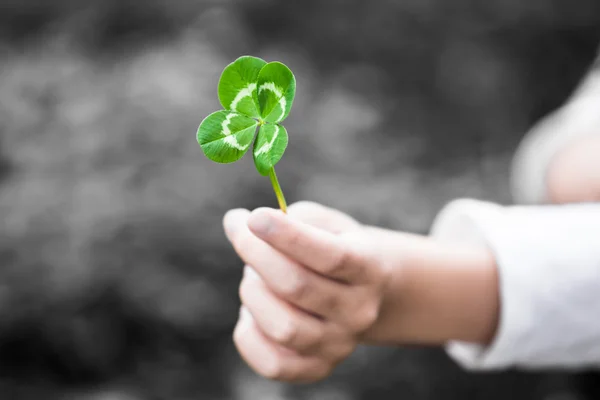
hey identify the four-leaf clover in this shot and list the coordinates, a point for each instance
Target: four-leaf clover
(254, 94)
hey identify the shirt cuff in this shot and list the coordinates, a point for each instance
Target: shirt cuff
(464, 220)
(547, 260)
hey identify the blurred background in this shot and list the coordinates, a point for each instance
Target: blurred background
(116, 281)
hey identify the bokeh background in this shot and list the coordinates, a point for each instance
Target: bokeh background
(116, 281)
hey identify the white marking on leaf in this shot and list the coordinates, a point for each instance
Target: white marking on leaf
(229, 138)
(245, 92)
(269, 145)
(271, 86)
(278, 92)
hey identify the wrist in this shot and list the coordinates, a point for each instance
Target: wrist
(436, 293)
(456, 298)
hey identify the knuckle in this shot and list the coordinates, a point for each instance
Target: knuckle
(294, 238)
(366, 317)
(286, 331)
(329, 304)
(341, 262)
(295, 286)
(353, 258)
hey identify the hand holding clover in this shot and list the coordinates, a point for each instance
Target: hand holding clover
(254, 94)
(310, 288)
(313, 286)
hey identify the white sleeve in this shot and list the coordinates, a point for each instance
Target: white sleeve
(548, 259)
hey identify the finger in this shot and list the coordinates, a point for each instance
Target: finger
(321, 251)
(323, 217)
(232, 219)
(271, 360)
(288, 279)
(278, 320)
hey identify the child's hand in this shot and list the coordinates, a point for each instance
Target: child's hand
(311, 287)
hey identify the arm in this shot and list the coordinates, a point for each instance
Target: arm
(501, 286)
(497, 285)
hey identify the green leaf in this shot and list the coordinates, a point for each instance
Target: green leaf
(276, 91)
(225, 136)
(237, 86)
(269, 147)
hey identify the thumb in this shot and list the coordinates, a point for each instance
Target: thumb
(323, 217)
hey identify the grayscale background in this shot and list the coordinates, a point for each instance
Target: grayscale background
(116, 281)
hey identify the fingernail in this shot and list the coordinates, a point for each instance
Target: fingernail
(250, 273)
(260, 222)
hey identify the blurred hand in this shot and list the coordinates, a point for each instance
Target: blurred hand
(574, 174)
(312, 285)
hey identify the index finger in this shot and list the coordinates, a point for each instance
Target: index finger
(321, 251)
(322, 217)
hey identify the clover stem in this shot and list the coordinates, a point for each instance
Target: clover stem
(277, 189)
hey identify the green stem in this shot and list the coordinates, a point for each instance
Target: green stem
(278, 192)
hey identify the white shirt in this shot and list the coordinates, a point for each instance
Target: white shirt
(548, 256)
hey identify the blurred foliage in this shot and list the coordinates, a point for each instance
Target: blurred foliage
(116, 280)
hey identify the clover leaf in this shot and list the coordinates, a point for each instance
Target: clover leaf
(237, 86)
(254, 94)
(269, 146)
(276, 90)
(225, 136)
